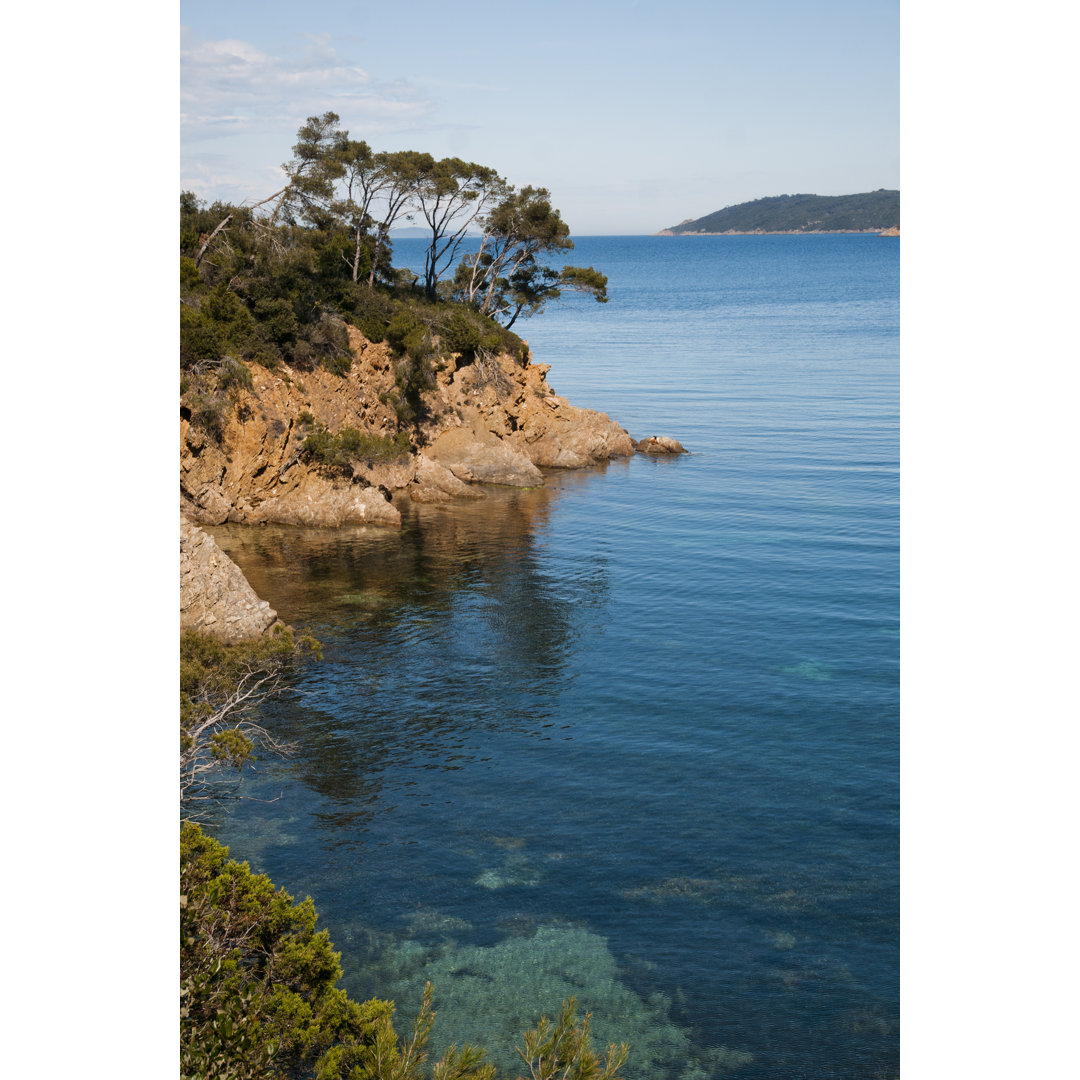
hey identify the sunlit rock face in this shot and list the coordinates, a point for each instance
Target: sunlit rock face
(215, 597)
(494, 421)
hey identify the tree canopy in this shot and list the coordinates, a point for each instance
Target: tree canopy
(277, 280)
(505, 278)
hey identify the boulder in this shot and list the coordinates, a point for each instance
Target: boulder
(660, 444)
(558, 435)
(318, 501)
(215, 597)
(475, 455)
(435, 483)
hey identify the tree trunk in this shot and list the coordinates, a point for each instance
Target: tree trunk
(209, 240)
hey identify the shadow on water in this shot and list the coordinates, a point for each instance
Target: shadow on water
(434, 636)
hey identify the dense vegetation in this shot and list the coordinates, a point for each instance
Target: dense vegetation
(277, 282)
(258, 982)
(870, 211)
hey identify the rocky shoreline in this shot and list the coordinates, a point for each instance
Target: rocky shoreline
(492, 420)
(215, 597)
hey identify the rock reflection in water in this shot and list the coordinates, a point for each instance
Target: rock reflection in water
(433, 634)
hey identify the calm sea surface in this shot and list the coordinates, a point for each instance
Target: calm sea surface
(633, 736)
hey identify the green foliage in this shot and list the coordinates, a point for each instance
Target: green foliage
(269, 292)
(257, 980)
(207, 410)
(469, 333)
(338, 450)
(221, 685)
(209, 390)
(461, 334)
(277, 320)
(412, 377)
(563, 1050)
(189, 274)
(340, 364)
(199, 338)
(869, 211)
(406, 334)
(258, 988)
(234, 375)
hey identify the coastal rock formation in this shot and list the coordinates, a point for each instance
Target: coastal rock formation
(476, 454)
(660, 444)
(215, 597)
(894, 231)
(491, 421)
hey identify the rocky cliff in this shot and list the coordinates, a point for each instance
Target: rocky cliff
(492, 421)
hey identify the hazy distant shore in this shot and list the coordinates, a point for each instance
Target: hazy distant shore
(774, 232)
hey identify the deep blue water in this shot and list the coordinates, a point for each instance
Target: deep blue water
(633, 736)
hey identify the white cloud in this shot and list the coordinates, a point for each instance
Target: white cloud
(229, 86)
(241, 107)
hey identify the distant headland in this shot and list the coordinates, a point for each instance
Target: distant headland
(872, 211)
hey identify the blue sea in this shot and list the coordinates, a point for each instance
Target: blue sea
(632, 737)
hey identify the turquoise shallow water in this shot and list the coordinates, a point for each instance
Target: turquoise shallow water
(633, 736)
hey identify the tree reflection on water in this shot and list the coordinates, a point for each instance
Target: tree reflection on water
(433, 635)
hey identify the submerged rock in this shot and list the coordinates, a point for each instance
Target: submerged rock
(491, 994)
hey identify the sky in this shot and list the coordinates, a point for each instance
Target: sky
(636, 115)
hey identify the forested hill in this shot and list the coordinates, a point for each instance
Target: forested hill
(871, 211)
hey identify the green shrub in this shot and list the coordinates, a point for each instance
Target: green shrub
(210, 412)
(276, 320)
(233, 375)
(372, 327)
(224, 307)
(339, 364)
(406, 335)
(257, 980)
(460, 334)
(371, 313)
(412, 376)
(199, 338)
(189, 274)
(339, 450)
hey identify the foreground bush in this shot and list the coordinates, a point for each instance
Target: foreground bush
(259, 995)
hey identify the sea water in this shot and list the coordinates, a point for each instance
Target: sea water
(631, 737)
